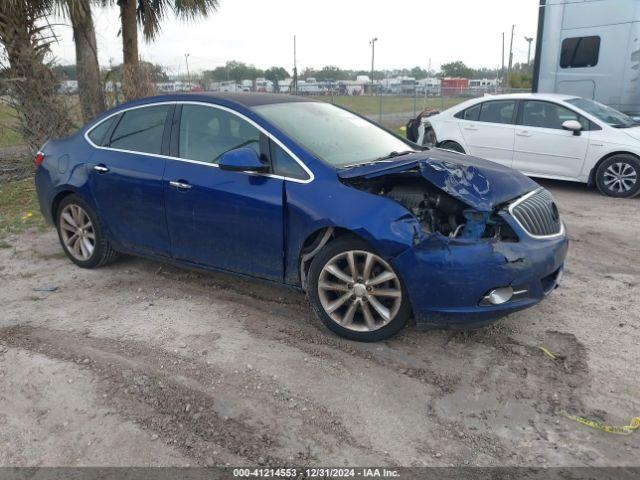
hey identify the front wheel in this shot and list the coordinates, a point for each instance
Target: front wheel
(356, 293)
(619, 176)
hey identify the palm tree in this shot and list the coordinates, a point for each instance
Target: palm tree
(88, 70)
(149, 15)
(26, 37)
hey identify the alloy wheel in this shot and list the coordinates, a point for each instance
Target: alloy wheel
(78, 234)
(620, 177)
(359, 291)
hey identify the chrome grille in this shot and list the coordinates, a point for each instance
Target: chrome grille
(537, 213)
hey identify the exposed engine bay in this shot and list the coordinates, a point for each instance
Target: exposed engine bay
(436, 210)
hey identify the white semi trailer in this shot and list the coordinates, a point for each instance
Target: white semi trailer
(591, 49)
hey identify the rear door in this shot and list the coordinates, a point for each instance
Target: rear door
(542, 147)
(488, 130)
(126, 174)
(223, 219)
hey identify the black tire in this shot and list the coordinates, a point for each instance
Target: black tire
(450, 145)
(325, 256)
(102, 253)
(430, 137)
(625, 163)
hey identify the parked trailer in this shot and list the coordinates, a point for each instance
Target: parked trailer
(591, 49)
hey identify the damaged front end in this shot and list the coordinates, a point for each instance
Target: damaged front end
(448, 199)
(474, 248)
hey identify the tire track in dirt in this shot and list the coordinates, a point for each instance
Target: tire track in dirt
(203, 411)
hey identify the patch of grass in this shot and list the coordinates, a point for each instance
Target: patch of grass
(370, 105)
(19, 209)
(8, 137)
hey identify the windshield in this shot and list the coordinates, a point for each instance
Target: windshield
(334, 135)
(608, 115)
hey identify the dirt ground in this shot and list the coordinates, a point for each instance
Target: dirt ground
(141, 363)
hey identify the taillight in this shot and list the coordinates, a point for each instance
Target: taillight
(39, 159)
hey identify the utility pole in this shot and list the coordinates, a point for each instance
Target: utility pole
(502, 69)
(529, 40)
(295, 68)
(186, 60)
(513, 28)
(372, 42)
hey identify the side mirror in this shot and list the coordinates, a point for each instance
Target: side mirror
(242, 159)
(573, 126)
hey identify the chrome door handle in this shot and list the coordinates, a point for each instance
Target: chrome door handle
(101, 168)
(523, 134)
(180, 185)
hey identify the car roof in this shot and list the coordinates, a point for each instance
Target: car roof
(245, 99)
(534, 96)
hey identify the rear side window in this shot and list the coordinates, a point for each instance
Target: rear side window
(208, 132)
(498, 111)
(580, 52)
(285, 165)
(471, 113)
(141, 129)
(97, 134)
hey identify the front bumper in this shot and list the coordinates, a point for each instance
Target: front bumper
(447, 279)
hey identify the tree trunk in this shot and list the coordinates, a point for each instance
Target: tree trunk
(88, 70)
(136, 81)
(129, 31)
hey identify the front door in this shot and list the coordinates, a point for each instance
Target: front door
(125, 178)
(543, 147)
(487, 129)
(223, 219)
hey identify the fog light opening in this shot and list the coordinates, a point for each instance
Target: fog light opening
(498, 296)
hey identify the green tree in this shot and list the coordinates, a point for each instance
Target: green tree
(234, 70)
(149, 15)
(276, 74)
(456, 69)
(26, 37)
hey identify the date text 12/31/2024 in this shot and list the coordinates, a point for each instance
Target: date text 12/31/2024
(315, 473)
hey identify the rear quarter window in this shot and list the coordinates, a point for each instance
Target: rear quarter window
(471, 113)
(97, 134)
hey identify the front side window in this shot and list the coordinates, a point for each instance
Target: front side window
(580, 52)
(549, 115)
(207, 132)
(497, 111)
(332, 134)
(285, 165)
(141, 129)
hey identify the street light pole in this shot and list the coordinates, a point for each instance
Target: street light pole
(529, 40)
(372, 42)
(186, 60)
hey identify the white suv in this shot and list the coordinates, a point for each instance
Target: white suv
(545, 135)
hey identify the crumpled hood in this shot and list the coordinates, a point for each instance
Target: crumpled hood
(479, 183)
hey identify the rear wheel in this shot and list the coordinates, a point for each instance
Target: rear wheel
(450, 145)
(81, 235)
(356, 293)
(619, 176)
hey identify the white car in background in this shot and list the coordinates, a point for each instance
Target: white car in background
(545, 135)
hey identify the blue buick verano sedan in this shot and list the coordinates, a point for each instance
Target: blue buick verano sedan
(303, 193)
